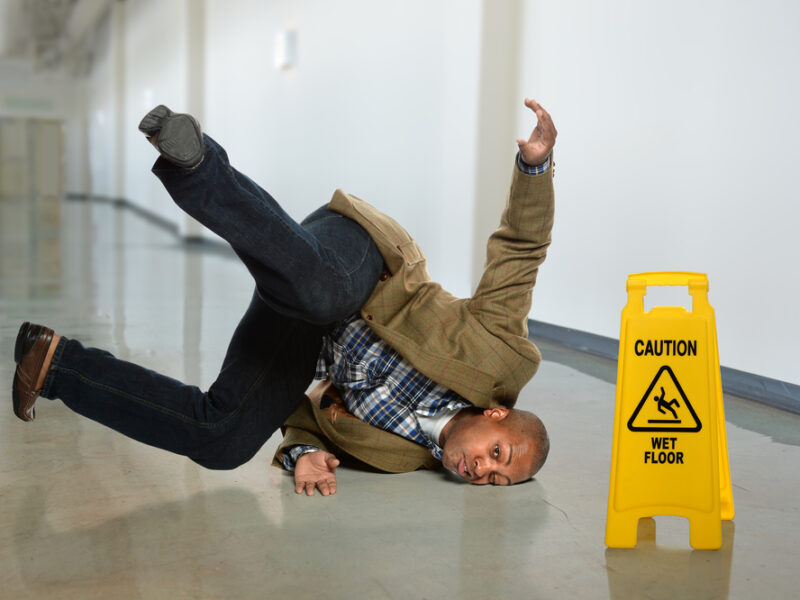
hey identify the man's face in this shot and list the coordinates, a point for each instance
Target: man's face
(484, 449)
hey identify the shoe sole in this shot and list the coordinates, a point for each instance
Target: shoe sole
(180, 141)
(151, 123)
(15, 398)
(21, 336)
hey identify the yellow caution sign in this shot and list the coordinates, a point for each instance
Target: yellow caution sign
(670, 452)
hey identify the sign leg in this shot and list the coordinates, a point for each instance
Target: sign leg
(705, 532)
(621, 530)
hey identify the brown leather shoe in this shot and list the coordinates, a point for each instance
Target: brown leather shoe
(30, 351)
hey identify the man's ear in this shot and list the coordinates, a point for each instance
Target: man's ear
(496, 414)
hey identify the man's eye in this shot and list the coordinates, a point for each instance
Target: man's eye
(496, 451)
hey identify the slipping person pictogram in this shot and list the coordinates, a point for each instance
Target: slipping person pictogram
(663, 404)
(654, 410)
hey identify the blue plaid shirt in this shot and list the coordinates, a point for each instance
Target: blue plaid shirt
(378, 385)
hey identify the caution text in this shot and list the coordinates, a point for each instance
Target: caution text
(665, 347)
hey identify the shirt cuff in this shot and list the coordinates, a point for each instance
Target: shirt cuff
(533, 169)
(289, 457)
(321, 372)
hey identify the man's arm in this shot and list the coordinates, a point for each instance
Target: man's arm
(519, 246)
(346, 436)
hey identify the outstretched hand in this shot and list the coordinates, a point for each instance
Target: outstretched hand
(316, 470)
(534, 151)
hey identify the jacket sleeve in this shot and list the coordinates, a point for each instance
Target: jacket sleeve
(349, 436)
(502, 300)
(301, 429)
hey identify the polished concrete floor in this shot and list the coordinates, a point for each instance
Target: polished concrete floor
(86, 513)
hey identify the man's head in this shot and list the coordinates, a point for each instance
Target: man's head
(499, 446)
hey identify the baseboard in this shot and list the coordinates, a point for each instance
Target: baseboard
(148, 215)
(772, 392)
(193, 242)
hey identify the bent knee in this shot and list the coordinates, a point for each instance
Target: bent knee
(322, 305)
(217, 466)
(224, 462)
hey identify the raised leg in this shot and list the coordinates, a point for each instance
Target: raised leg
(320, 271)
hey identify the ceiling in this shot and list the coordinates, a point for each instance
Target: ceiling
(44, 32)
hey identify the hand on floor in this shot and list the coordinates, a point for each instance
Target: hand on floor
(316, 470)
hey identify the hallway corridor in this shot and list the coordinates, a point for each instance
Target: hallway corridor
(86, 513)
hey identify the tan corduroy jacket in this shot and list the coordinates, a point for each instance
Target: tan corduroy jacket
(477, 347)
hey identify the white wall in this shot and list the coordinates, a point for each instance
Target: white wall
(101, 119)
(677, 150)
(155, 72)
(677, 135)
(382, 104)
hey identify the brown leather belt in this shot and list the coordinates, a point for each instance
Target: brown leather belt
(329, 400)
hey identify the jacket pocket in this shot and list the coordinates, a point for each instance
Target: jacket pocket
(411, 252)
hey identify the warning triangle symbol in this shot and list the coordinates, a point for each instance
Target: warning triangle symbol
(664, 407)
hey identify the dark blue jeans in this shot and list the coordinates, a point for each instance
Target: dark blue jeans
(307, 276)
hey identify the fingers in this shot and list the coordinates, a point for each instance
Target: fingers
(307, 486)
(545, 120)
(315, 471)
(536, 108)
(532, 104)
(326, 487)
(548, 121)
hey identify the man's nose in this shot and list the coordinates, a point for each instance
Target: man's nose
(478, 468)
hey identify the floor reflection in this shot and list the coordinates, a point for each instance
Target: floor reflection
(650, 571)
(31, 247)
(488, 536)
(112, 559)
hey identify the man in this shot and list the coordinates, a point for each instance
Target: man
(422, 376)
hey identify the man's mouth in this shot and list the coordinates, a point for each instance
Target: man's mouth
(462, 468)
